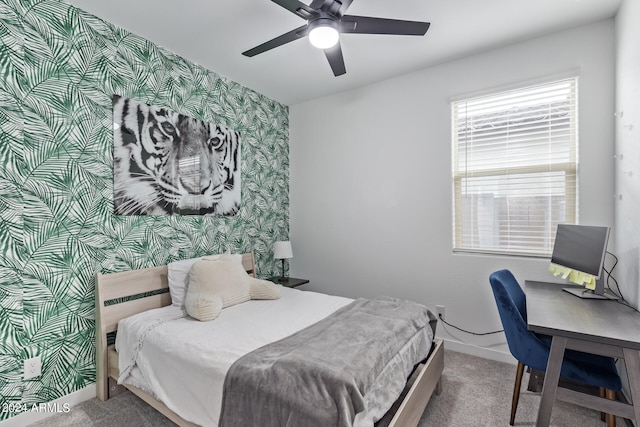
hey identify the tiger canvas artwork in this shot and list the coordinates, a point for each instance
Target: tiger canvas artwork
(167, 163)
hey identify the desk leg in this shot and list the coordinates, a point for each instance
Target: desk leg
(551, 378)
(632, 363)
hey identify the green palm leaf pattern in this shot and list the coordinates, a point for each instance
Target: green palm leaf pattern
(11, 204)
(59, 68)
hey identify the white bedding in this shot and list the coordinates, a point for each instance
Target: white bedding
(183, 362)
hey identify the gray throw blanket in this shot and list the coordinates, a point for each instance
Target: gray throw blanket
(319, 375)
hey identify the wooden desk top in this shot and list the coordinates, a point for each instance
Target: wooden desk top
(551, 311)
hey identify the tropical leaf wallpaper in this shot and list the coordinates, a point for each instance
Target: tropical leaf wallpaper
(59, 69)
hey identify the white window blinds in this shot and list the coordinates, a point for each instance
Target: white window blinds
(514, 168)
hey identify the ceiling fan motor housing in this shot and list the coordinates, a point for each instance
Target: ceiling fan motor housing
(323, 32)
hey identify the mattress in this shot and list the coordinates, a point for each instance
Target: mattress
(182, 362)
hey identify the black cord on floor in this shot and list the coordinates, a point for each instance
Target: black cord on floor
(468, 332)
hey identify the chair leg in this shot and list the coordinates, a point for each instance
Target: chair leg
(602, 414)
(611, 419)
(516, 393)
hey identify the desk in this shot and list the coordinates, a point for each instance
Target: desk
(593, 326)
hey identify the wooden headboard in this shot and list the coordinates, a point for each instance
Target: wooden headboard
(126, 284)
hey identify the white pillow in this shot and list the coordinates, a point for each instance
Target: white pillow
(178, 277)
(216, 284)
(264, 289)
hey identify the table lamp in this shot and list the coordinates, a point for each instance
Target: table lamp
(282, 250)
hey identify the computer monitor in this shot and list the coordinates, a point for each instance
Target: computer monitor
(582, 248)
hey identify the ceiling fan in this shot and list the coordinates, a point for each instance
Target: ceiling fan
(326, 20)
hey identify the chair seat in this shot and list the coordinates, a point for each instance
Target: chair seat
(592, 369)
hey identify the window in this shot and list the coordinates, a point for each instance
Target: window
(514, 168)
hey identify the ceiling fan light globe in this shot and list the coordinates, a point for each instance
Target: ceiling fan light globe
(324, 36)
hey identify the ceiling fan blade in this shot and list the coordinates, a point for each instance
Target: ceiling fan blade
(369, 25)
(299, 8)
(336, 60)
(278, 41)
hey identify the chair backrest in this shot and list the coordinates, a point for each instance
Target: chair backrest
(512, 307)
(506, 280)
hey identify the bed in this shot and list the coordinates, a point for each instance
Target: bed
(115, 289)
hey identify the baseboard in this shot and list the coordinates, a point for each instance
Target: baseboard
(473, 350)
(39, 413)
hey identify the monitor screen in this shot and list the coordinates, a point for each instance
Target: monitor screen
(581, 247)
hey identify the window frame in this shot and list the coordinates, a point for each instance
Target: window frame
(570, 168)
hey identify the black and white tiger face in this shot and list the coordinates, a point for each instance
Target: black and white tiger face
(167, 163)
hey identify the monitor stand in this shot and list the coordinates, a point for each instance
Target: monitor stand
(589, 294)
(598, 293)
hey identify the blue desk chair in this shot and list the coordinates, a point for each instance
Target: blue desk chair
(532, 350)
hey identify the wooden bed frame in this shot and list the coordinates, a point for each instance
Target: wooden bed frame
(115, 286)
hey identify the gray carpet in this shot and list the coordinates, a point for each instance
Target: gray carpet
(475, 392)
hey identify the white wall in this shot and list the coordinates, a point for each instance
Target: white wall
(627, 129)
(370, 179)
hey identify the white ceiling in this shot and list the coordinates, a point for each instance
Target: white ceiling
(214, 33)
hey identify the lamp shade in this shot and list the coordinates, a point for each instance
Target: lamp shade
(282, 250)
